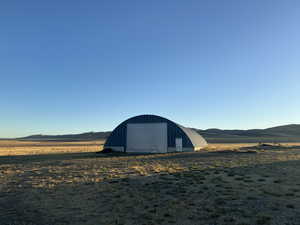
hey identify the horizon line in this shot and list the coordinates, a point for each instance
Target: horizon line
(62, 134)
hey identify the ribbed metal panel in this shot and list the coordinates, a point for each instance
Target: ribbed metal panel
(190, 138)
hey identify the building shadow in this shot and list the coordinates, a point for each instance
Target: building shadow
(24, 159)
(249, 194)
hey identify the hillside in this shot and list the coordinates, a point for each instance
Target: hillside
(284, 133)
(292, 130)
(90, 136)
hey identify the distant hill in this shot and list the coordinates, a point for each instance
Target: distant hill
(274, 134)
(90, 136)
(292, 130)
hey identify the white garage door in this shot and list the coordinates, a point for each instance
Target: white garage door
(147, 137)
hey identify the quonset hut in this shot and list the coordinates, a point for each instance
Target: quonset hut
(153, 134)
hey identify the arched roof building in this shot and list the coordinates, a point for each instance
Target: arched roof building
(153, 134)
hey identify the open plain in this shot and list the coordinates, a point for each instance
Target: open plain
(68, 183)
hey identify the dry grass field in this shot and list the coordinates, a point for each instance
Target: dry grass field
(12, 147)
(239, 184)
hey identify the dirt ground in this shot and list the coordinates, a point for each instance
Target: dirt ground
(223, 184)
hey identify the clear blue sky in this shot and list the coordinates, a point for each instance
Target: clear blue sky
(78, 66)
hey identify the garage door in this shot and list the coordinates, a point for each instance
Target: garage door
(147, 137)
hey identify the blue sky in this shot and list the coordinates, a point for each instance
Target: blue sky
(78, 66)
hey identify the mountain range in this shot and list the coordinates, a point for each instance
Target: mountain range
(284, 133)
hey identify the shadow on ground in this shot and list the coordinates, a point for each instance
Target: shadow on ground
(23, 159)
(271, 147)
(245, 191)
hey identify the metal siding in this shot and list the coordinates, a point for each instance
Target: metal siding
(190, 139)
(147, 137)
(117, 137)
(197, 140)
(175, 132)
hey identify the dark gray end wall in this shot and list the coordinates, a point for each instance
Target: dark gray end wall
(118, 136)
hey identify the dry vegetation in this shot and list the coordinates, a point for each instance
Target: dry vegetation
(12, 147)
(224, 184)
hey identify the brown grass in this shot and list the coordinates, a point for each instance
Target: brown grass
(12, 147)
(209, 187)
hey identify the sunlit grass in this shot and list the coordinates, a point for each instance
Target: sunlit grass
(208, 187)
(11, 148)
